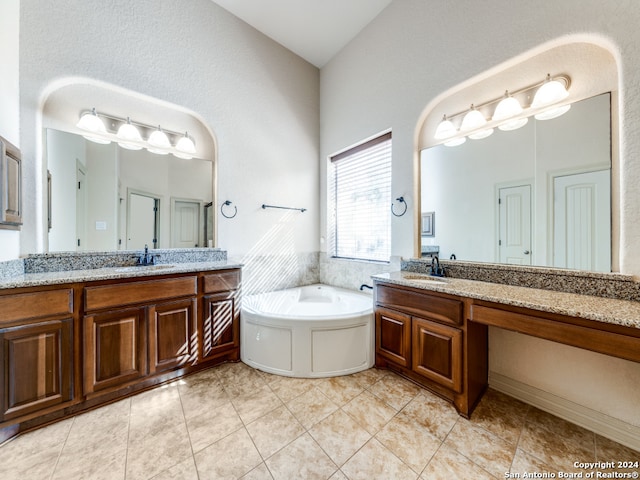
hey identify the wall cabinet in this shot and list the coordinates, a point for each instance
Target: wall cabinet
(10, 186)
(424, 336)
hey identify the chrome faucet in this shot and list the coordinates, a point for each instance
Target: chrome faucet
(436, 270)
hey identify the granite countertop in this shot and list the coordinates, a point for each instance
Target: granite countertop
(618, 312)
(109, 273)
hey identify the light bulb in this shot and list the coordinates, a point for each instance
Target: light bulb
(550, 92)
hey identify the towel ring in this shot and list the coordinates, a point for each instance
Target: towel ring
(226, 203)
(401, 200)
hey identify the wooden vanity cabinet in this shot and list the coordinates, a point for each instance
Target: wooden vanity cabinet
(124, 345)
(424, 336)
(36, 349)
(219, 328)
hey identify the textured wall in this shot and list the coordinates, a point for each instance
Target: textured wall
(9, 100)
(260, 100)
(416, 50)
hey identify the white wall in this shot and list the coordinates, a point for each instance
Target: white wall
(9, 100)
(260, 100)
(417, 49)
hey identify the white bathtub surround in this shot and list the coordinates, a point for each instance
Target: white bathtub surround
(351, 274)
(312, 331)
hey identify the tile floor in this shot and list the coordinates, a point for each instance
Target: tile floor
(235, 422)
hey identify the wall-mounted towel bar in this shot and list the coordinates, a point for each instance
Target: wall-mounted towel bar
(284, 208)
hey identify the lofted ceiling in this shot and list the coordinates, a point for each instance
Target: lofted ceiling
(315, 30)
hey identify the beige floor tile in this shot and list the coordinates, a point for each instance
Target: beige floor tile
(199, 397)
(289, 388)
(261, 472)
(376, 462)
(303, 458)
(152, 452)
(311, 407)
(369, 412)
(231, 457)
(409, 441)
(156, 409)
(255, 404)
(274, 430)
(500, 414)
(610, 451)
(34, 454)
(96, 447)
(432, 412)
(340, 390)
(488, 451)
(556, 442)
(338, 476)
(185, 470)
(339, 436)
(524, 462)
(212, 425)
(370, 376)
(448, 464)
(395, 391)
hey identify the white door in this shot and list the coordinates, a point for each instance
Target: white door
(185, 224)
(81, 209)
(514, 243)
(142, 221)
(581, 221)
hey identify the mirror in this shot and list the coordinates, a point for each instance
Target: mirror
(540, 195)
(104, 197)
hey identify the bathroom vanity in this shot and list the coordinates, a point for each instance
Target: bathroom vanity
(435, 331)
(110, 332)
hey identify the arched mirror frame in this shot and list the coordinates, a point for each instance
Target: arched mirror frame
(66, 98)
(598, 74)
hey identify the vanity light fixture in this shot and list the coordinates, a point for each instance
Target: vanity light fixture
(186, 148)
(103, 128)
(90, 122)
(508, 108)
(445, 129)
(128, 134)
(508, 113)
(474, 120)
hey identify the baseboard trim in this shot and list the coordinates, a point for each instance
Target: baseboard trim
(610, 427)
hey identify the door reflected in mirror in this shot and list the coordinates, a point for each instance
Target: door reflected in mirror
(540, 195)
(106, 198)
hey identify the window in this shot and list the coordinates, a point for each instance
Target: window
(359, 193)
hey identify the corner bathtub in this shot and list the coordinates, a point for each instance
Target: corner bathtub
(312, 331)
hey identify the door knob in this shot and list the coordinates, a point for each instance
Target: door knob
(527, 252)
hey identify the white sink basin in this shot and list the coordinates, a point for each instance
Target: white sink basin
(426, 279)
(143, 268)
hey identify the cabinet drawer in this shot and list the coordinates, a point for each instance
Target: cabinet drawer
(437, 308)
(222, 281)
(106, 296)
(25, 306)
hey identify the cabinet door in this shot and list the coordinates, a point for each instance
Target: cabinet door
(115, 349)
(437, 353)
(220, 329)
(393, 336)
(36, 367)
(172, 335)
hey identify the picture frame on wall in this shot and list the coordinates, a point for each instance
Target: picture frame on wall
(428, 226)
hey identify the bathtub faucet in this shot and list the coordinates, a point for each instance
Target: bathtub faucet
(364, 285)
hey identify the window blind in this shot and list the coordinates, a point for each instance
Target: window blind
(360, 200)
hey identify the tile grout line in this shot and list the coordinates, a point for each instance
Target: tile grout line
(66, 438)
